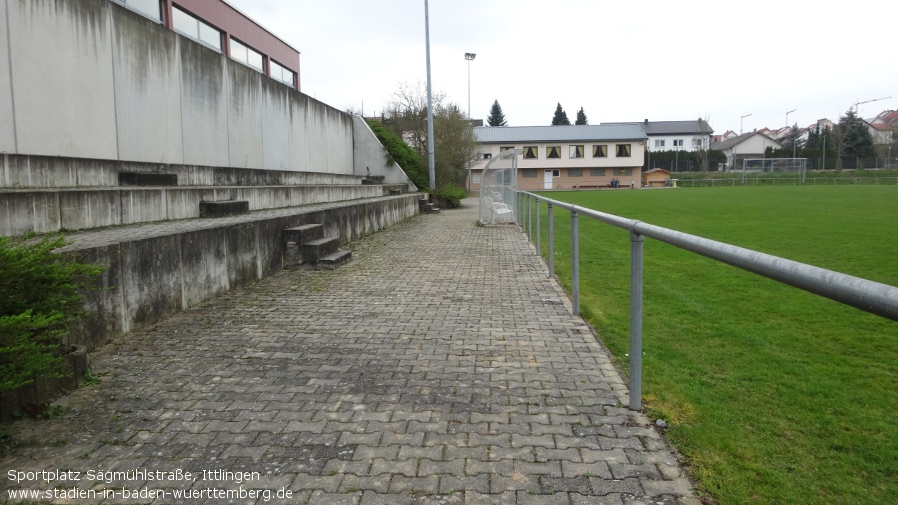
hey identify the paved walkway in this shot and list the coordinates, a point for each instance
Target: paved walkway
(439, 366)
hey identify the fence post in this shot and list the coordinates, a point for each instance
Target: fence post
(529, 220)
(636, 252)
(539, 245)
(551, 243)
(575, 264)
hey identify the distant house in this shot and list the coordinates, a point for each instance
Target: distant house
(747, 145)
(676, 135)
(720, 138)
(565, 157)
(883, 126)
(882, 133)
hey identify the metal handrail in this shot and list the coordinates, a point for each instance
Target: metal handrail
(869, 296)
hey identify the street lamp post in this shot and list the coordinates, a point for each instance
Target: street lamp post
(737, 144)
(868, 101)
(794, 138)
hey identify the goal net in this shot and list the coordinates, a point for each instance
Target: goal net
(785, 165)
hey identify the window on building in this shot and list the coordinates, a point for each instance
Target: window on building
(280, 72)
(505, 148)
(597, 172)
(678, 143)
(487, 156)
(599, 151)
(246, 55)
(553, 152)
(530, 153)
(476, 177)
(576, 152)
(697, 143)
(575, 172)
(185, 24)
(529, 173)
(149, 8)
(659, 143)
(555, 173)
(623, 171)
(623, 151)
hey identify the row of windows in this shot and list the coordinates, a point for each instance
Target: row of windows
(578, 172)
(194, 28)
(575, 151)
(696, 143)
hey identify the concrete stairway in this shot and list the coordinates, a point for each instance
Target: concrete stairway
(306, 245)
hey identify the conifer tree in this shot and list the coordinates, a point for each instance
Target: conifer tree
(581, 117)
(560, 117)
(496, 117)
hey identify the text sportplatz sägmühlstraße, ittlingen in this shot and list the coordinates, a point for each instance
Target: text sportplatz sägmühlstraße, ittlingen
(142, 487)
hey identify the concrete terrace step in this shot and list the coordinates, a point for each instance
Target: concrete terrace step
(50, 209)
(334, 260)
(303, 233)
(33, 171)
(223, 208)
(147, 179)
(315, 249)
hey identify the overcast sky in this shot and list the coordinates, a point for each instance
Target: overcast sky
(620, 61)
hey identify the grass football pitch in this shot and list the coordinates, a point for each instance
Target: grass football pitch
(773, 395)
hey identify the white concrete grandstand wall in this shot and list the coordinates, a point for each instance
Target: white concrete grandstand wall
(91, 79)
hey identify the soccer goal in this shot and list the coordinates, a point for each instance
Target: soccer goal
(797, 166)
(790, 165)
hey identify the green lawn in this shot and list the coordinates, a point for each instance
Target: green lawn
(774, 395)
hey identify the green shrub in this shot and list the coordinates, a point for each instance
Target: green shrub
(453, 195)
(39, 298)
(403, 155)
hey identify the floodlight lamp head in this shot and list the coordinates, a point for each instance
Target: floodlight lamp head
(470, 56)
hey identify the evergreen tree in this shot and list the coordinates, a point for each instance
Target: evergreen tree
(496, 117)
(560, 117)
(581, 117)
(856, 138)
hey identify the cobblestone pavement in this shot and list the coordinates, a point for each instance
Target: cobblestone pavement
(439, 366)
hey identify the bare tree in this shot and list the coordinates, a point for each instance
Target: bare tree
(701, 142)
(454, 143)
(406, 114)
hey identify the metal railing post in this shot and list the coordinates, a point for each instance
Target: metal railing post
(636, 252)
(575, 264)
(551, 243)
(539, 246)
(529, 220)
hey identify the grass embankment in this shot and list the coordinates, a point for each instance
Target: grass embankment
(773, 394)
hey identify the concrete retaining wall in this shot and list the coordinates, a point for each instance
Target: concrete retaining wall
(91, 79)
(148, 279)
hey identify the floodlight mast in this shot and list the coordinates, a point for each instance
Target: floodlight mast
(469, 57)
(430, 157)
